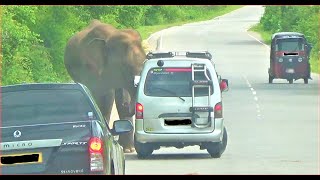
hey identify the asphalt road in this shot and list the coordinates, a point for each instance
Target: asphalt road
(272, 128)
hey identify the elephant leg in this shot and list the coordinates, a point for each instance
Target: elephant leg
(125, 140)
(105, 103)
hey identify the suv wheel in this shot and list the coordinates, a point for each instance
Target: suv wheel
(143, 150)
(216, 149)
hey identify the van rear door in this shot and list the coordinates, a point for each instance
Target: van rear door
(167, 100)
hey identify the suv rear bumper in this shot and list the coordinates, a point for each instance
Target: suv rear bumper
(143, 137)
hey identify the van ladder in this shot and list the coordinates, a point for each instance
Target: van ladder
(196, 67)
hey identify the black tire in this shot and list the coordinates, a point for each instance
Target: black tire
(270, 79)
(305, 80)
(143, 150)
(290, 81)
(124, 167)
(112, 169)
(216, 149)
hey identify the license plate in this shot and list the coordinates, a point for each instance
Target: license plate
(14, 159)
(289, 70)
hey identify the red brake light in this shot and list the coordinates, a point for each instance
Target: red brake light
(218, 110)
(139, 111)
(95, 145)
(96, 158)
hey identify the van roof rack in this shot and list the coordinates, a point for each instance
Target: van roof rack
(155, 55)
(170, 54)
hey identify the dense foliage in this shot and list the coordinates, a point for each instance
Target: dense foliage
(34, 37)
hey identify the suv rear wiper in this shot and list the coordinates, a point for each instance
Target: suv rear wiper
(172, 92)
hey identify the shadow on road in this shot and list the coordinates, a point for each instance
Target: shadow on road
(170, 156)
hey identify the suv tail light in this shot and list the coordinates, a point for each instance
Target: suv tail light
(96, 154)
(218, 110)
(139, 111)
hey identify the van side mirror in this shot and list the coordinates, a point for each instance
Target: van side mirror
(136, 81)
(224, 85)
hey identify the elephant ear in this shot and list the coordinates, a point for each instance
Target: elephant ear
(95, 55)
(134, 34)
(137, 56)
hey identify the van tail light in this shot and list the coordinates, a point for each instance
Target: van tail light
(139, 111)
(96, 154)
(218, 110)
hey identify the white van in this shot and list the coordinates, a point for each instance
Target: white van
(179, 103)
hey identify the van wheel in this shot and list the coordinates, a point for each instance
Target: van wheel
(112, 169)
(216, 149)
(290, 81)
(124, 168)
(270, 79)
(143, 150)
(305, 80)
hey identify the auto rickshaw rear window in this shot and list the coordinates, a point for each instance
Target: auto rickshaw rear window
(290, 44)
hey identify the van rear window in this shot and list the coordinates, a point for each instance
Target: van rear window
(44, 106)
(172, 82)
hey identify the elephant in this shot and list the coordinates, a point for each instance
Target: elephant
(106, 60)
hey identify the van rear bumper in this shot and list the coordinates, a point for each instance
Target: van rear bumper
(143, 137)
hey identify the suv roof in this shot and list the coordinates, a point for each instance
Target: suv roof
(34, 86)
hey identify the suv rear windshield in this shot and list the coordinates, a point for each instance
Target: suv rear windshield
(44, 106)
(172, 82)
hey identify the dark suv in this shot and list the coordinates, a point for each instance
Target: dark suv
(57, 129)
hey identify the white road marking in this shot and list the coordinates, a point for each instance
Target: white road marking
(160, 43)
(265, 45)
(255, 97)
(268, 47)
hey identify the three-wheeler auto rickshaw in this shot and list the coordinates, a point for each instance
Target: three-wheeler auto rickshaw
(289, 57)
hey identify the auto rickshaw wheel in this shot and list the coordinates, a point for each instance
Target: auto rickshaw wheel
(290, 81)
(270, 79)
(305, 80)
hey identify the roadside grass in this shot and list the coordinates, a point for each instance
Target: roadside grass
(146, 31)
(266, 37)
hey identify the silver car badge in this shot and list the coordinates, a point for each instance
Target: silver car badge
(17, 134)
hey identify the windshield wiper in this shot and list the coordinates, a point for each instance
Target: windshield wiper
(172, 92)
